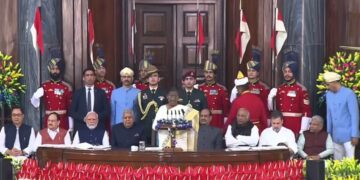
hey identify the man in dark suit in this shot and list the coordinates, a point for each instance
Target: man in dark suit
(189, 96)
(209, 137)
(86, 99)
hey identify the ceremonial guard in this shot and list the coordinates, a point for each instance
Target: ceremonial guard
(191, 96)
(256, 86)
(101, 82)
(56, 92)
(149, 101)
(292, 98)
(142, 83)
(216, 94)
(249, 101)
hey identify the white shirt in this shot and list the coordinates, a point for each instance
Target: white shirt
(271, 138)
(241, 140)
(105, 141)
(52, 134)
(28, 149)
(92, 95)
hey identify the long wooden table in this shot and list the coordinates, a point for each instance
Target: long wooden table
(139, 159)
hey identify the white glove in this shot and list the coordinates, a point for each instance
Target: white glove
(196, 86)
(305, 124)
(271, 96)
(225, 119)
(71, 124)
(233, 94)
(35, 99)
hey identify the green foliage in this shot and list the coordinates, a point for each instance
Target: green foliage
(10, 85)
(346, 169)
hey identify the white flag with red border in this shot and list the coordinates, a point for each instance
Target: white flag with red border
(242, 36)
(279, 34)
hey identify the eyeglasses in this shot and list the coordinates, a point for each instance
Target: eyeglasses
(16, 115)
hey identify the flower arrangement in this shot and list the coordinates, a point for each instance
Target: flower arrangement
(10, 85)
(179, 124)
(346, 65)
(280, 170)
(347, 168)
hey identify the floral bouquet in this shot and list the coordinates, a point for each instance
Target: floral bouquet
(180, 124)
(348, 168)
(10, 85)
(346, 65)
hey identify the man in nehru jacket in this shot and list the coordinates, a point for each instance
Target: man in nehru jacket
(123, 97)
(342, 116)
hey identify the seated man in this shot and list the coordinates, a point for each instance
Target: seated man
(128, 133)
(277, 134)
(315, 143)
(209, 138)
(16, 138)
(242, 132)
(92, 133)
(53, 134)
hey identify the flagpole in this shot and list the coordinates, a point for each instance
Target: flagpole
(273, 52)
(240, 8)
(197, 49)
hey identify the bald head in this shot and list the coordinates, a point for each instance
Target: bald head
(242, 116)
(317, 124)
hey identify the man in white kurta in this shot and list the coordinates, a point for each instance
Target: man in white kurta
(242, 132)
(277, 134)
(185, 139)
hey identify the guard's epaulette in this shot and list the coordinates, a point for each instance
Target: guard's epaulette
(111, 83)
(202, 84)
(67, 84)
(302, 86)
(264, 84)
(45, 81)
(222, 86)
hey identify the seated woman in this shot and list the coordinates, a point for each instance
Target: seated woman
(242, 132)
(185, 139)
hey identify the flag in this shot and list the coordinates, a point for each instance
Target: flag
(36, 32)
(91, 35)
(133, 30)
(242, 36)
(200, 34)
(279, 34)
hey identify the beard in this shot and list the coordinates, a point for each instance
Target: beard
(91, 127)
(55, 76)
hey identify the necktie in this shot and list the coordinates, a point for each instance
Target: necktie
(153, 91)
(89, 100)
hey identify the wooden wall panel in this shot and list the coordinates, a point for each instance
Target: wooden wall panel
(9, 29)
(342, 25)
(107, 18)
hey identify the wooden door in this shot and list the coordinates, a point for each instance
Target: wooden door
(155, 34)
(167, 30)
(186, 38)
